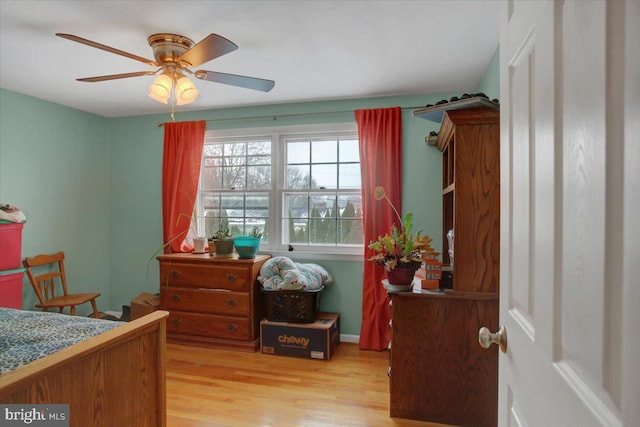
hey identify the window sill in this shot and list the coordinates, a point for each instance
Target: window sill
(316, 256)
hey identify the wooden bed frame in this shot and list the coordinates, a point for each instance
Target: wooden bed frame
(113, 379)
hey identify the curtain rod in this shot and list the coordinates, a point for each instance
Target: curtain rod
(287, 116)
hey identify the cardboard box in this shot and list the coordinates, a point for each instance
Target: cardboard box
(144, 303)
(317, 340)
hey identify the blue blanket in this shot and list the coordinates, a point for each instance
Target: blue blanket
(29, 335)
(281, 273)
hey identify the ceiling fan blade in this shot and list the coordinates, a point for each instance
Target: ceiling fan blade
(236, 80)
(117, 76)
(107, 48)
(211, 47)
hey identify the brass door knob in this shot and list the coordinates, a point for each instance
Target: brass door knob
(486, 338)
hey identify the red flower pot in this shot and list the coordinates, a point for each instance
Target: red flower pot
(402, 276)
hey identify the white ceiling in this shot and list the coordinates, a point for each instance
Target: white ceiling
(314, 50)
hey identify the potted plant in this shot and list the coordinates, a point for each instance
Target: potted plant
(399, 251)
(223, 240)
(247, 246)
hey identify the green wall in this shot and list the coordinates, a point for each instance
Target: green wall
(490, 84)
(91, 186)
(54, 165)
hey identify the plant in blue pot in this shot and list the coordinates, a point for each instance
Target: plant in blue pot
(247, 246)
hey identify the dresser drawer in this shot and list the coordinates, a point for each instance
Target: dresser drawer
(206, 301)
(204, 276)
(209, 325)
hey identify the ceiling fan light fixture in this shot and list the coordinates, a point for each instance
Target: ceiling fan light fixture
(160, 89)
(186, 91)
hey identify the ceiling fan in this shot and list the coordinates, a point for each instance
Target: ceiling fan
(174, 56)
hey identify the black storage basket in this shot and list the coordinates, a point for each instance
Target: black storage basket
(292, 306)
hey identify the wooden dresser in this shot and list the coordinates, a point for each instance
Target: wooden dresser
(438, 371)
(213, 302)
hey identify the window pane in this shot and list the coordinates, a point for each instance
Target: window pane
(322, 205)
(257, 213)
(258, 177)
(257, 201)
(322, 231)
(212, 161)
(350, 232)
(211, 178)
(298, 177)
(259, 160)
(298, 152)
(211, 224)
(324, 176)
(349, 151)
(259, 147)
(211, 201)
(233, 178)
(355, 200)
(349, 176)
(235, 161)
(235, 149)
(297, 231)
(324, 151)
(240, 211)
(211, 150)
(296, 206)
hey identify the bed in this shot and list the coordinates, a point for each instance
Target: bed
(115, 378)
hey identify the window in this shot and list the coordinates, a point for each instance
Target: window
(300, 186)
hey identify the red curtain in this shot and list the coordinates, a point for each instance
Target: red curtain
(182, 156)
(380, 136)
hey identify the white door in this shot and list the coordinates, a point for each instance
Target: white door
(570, 213)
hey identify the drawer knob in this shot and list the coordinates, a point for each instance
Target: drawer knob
(177, 321)
(232, 327)
(232, 302)
(176, 297)
(231, 277)
(389, 372)
(175, 273)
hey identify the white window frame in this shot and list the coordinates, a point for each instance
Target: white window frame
(277, 135)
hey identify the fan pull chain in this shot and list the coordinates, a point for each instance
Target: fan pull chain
(173, 100)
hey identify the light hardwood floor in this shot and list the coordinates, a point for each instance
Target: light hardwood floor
(208, 387)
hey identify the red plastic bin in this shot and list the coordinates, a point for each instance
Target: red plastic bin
(11, 288)
(10, 245)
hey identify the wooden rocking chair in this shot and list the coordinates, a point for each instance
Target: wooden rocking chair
(45, 285)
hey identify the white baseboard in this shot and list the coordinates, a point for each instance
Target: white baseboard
(349, 338)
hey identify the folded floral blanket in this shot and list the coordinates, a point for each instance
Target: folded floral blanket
(281, 273)
(11, 213)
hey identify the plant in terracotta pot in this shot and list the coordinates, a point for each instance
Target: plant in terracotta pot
(223, 241)
(399, 251)
(247, 246)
